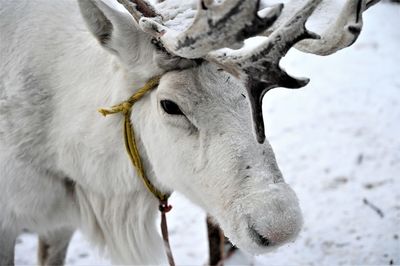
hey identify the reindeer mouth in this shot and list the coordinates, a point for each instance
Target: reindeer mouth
(258, 238)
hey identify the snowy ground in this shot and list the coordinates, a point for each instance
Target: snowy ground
(337, 143)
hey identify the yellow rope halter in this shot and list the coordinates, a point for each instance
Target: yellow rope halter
(129, 135)
(132, 150)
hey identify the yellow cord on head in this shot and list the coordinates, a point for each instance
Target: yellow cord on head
(129, 135)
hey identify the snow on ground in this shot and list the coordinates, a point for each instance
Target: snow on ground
(338, 144)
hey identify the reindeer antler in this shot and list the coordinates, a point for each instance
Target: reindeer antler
(215, 26)
(228, 24)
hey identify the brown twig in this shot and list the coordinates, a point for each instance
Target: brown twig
(373, 207)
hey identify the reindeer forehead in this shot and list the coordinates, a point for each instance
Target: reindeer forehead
(203, 86)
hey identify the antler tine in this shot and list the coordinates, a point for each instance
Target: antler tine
(341, 33)
(139, 9)
(260, 68)
(215, 26)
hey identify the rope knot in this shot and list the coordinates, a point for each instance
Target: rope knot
(164, 207)
(123, 107)
(126, 106)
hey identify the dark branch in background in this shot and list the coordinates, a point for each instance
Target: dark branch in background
(373, 207)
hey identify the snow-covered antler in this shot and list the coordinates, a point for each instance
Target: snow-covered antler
(215, 26)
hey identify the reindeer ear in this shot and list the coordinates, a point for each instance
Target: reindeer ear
(104, 22)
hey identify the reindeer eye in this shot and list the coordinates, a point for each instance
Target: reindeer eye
(170, 107)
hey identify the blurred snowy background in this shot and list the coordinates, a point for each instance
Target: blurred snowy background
(338, 145)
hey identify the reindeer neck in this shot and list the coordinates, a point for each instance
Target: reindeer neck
(117, 211)
(122, 224)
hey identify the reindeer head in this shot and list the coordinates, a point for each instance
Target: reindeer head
(197, 129)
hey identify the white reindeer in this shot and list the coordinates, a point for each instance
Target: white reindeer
(64, 167)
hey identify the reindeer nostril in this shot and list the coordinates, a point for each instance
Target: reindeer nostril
(261, 240)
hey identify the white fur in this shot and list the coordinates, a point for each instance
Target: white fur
(54, 75)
